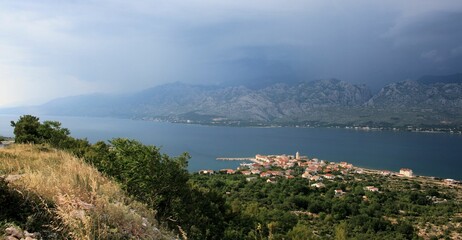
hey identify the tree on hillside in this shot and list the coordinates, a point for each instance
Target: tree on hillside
(161, 182)
(152, 177)
(341, 231)
(26, 129)
(51, 132)
(300, 232)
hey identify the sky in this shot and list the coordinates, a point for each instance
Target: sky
(51, 48)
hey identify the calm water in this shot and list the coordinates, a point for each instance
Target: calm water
(426, 153)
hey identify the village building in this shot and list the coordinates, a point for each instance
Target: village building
(259, 157)
(313, 169)
(250, 179)
(306, 175)
(318, 185)
(450, 181)
(276, 173)
(227, 171)
(316, 178)
(371, 189)
(206, 172)
(329, 176)
(271, 180)
(385, 173)
(339, 192)
(406, 172)
(256, 166)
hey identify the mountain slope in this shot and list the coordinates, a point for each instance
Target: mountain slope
(431, 100)
(412, 94)
(277, 101)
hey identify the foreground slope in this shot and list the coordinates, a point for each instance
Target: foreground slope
(82, 202)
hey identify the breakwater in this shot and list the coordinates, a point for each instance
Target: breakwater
(236, 159)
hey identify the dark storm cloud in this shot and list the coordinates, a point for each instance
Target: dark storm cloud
(431, 42)
(78, 47)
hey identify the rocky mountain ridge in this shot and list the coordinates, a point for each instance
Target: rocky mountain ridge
(426, 101)
(276, 102)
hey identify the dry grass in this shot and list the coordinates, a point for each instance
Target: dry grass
(90, 205)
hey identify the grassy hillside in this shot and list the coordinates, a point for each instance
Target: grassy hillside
(69, 198)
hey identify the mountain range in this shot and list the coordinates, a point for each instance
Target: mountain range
(428, 101)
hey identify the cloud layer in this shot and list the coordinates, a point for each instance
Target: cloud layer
(50, 49)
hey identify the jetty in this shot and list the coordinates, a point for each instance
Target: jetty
(236, 159)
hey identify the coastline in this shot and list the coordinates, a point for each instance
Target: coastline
(367, 170)
(244, 124)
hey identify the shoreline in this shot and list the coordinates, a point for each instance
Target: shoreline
(451, 130)
(368, 170)
(442, 130)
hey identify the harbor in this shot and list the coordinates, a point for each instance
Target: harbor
(235, 159)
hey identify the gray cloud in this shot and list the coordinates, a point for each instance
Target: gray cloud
(51, 49)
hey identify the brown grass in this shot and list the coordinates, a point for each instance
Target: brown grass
(89, 204)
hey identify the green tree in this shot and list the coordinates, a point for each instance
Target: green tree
(100, 156)
(300, 232)
(152, 177)
(405, 229)
(52, 133)
(341, 231)
(26, 129)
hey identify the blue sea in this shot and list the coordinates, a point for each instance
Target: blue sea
(430, 154)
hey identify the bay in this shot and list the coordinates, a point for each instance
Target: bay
(430, 154)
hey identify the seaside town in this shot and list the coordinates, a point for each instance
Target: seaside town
(275, 167)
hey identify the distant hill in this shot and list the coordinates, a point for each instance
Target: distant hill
(430, 100)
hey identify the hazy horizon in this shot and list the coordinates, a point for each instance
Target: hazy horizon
(52, 49)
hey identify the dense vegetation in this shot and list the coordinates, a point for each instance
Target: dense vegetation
(291, 209)
(143, 172)
(224, 206)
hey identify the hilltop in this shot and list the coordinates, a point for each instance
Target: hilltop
(118, 189)
(60, 196)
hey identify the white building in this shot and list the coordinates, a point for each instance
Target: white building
(406, 172)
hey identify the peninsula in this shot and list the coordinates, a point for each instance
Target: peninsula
(291, 166)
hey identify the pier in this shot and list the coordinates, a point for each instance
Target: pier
(236, 159)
